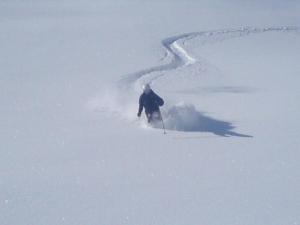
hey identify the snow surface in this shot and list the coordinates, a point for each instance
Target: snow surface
(73, 151)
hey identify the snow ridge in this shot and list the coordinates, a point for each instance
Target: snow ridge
(178, 57)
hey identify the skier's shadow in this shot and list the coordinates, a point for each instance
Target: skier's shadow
(186, 118)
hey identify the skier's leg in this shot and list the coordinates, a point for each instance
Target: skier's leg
(149, 117)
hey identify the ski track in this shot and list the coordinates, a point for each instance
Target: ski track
(178, 57)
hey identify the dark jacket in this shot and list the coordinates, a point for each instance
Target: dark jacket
(150, 102)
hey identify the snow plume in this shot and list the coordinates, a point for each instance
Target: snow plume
(185, 117)
(182, 117)
(114, 102)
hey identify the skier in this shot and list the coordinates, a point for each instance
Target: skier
(151, 102)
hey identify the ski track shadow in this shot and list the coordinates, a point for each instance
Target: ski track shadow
(186, 118)
(218, 90)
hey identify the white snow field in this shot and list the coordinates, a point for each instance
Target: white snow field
(73, 151)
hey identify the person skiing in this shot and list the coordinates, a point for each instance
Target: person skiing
(151, 102)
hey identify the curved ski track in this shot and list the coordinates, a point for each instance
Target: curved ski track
(179, 57)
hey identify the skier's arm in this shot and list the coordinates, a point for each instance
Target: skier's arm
(140, 106)
(159, 101)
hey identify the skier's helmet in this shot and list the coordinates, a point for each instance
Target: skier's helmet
(146, 88)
